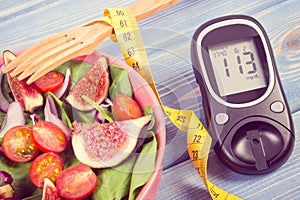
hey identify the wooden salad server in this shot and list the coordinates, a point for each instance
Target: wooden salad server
(63, 46)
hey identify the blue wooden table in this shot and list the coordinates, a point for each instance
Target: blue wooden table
(167, 38)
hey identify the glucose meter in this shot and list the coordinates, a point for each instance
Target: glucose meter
(245, 106)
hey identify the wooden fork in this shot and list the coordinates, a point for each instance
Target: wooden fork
(63, 46)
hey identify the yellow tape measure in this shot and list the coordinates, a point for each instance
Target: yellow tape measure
(129, 38)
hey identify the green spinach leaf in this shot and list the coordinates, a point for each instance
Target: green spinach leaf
(105, 113)
(2, 116)
(113, 183)
(68, 156)
(83, 116)
(78, 69)
(20, 174)
(127, 179)
(144, 167)
(36, 195)
(148, 110)
(61, 109)
(145, 164)
(120, 82)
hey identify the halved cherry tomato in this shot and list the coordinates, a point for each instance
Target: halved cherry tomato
(17, 144)
(48, 137)
(125, 108)
(76, 182)
(50, 81)
(47, 165)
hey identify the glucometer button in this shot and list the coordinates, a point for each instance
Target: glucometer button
(277, 107)
(221, 118)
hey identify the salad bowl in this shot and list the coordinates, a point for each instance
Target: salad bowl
(144, 96)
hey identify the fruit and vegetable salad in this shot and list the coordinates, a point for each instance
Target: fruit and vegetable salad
(75, 133)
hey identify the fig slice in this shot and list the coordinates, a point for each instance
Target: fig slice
(108, 144)
(6, 191)
(27, 95)
(94, 84)
(49, 191)
(4, 104)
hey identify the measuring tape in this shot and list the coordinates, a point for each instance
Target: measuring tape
(129, 38)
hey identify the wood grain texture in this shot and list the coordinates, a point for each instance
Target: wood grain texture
(142, 9)
(58, 48)
(167, 38)
(282, 184)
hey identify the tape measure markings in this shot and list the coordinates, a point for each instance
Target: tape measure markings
(129, 38)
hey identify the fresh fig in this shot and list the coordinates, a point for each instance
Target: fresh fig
(49, 191)
(4, 104)
(94, 84)
(108, 144)
(6, 191)
(27, 95)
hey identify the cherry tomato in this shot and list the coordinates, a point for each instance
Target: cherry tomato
(125, 108)
(50, 81)
(47, 165)
(76, 182)
(17, 144)
(48, 137)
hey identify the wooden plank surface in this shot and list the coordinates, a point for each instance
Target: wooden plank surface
(167, 38)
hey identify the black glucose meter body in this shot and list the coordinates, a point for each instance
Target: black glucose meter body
(245, 107)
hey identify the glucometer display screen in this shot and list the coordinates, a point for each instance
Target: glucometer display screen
(237, 66)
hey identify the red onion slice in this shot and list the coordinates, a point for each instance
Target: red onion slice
(4, 104)
(13, 117)
(51, 115)
(51, 105)
(108, 103)
(5, 178)
(98, 117)
(65, 86)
